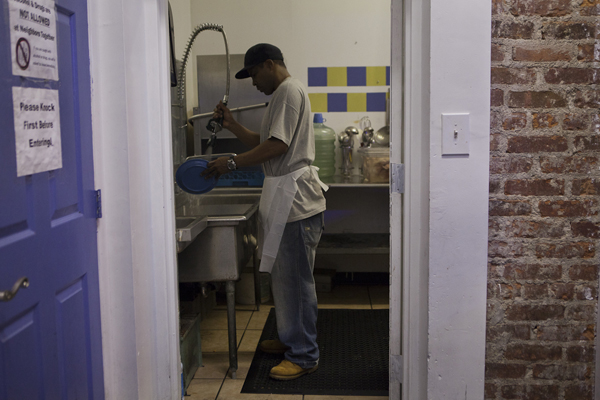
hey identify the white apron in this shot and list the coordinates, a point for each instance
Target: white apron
(275, 204)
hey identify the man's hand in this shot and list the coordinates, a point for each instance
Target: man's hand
(221, 111)
(216, 168)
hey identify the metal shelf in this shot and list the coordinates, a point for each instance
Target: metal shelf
(354, 243)
(352, 181)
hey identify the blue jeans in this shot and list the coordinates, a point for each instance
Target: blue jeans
(294, 293)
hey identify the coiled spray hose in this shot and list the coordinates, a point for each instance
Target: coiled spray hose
(214, 125)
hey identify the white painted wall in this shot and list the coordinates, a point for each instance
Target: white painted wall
(458, 217)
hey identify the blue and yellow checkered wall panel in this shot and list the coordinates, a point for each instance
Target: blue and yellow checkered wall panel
(348, 102)
(348, 76)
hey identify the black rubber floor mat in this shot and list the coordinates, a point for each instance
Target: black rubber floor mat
(354, 356)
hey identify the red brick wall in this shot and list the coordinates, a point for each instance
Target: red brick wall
(544, 199)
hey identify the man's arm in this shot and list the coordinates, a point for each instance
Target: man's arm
(265, 151)
(245, 135)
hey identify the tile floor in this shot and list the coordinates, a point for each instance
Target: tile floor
(212, 382)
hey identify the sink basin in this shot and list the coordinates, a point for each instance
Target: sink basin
(220, 206)
(217, 235)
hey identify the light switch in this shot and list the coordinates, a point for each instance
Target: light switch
(455, 134)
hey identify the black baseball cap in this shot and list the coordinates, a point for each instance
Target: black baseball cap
(256, 55)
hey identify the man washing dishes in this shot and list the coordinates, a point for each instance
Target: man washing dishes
(291, 206)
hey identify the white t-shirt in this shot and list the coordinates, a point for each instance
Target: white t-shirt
(288, 119)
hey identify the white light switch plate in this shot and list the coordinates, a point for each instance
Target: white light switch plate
(455, 134)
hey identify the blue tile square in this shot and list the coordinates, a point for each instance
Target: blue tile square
(337, 102)
(317, 76)
(376, 102)
(357, 76)
(387, 75)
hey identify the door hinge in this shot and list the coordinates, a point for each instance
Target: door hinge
(98, 203)
(397, 172)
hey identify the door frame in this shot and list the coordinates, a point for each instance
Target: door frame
(409, 236)
(133, 169)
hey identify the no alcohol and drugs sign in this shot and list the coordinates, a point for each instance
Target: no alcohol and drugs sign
(33, 38)
(37, 130)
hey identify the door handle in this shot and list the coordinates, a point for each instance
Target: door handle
(7, 295)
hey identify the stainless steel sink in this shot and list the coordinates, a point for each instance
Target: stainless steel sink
(216, 236)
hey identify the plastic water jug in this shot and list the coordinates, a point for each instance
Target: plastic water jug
(324, 147)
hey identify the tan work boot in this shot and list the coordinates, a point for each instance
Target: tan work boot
(287, 370)
(273, 347)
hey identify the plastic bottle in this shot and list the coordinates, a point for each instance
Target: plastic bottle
(324, 147)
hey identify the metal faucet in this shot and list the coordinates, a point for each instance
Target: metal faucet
(346, 140)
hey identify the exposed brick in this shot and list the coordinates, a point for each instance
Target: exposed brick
(540, 54)
(562, 291)
(548, 8)
(515, 122)
(583, 354)
(590, 8)
(568, 208)
(503, 249)
(498, 7)
(512, 30)
(585, 143)
(497, 53)
(583, 250)
(581, 312)
(586, 229)
(543, 121)
(585, 187)
(505, 371)
(535, 291)
(589, 98)
(576, 122)
(510, 165)
(583, 272)
(533, 392)
(588, 52)
(528, 312)
(577, 76)
(503, 291)
(513, 76)
(534, 229)
(537, 144)
(532, 352)
(495, 186)
(508, 331)
(495, 142)
(533, 99)
(574, 164)
(497, 98)
(535, 187)
(569, 31)
(507, 208)
(581, 391)
(490, 390)
(586, 293)
(562, 372)
(525, 271)
(564, 333)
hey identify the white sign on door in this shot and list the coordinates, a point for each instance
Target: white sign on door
(37, 130)
(33, 38)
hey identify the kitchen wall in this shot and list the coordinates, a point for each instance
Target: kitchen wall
(311, 34)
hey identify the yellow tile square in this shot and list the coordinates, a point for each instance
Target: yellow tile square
(357, 102)
(337, 76)
(318, 102)
(376, 76)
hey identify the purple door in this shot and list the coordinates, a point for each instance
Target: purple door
(50, 341)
